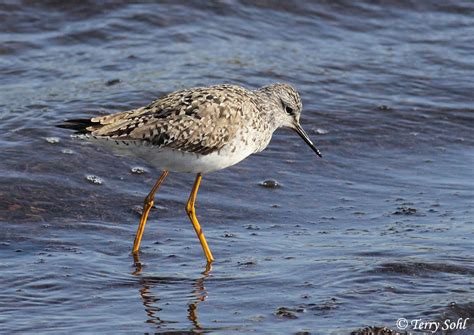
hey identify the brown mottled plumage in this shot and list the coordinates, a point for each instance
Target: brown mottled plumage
(198, 130)
(200, 120)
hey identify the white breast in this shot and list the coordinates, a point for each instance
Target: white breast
(180, 161)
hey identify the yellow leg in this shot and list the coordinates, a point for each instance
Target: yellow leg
(192, 216)
(148, 203)
(137, 264)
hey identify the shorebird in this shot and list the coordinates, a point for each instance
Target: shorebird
(197, 130)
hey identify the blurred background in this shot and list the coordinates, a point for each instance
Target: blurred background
(379, 229)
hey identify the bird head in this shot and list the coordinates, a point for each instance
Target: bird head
(287, 107)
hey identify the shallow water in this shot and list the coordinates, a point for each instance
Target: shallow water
(379, 229)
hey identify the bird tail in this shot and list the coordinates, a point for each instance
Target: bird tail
(80, 126)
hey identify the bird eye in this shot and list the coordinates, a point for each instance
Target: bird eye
(289, 110)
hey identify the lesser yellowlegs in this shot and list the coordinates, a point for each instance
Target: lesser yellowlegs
(197, 130)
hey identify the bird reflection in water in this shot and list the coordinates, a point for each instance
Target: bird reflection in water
(151, 300)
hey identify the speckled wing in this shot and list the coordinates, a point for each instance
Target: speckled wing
(199, 120)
